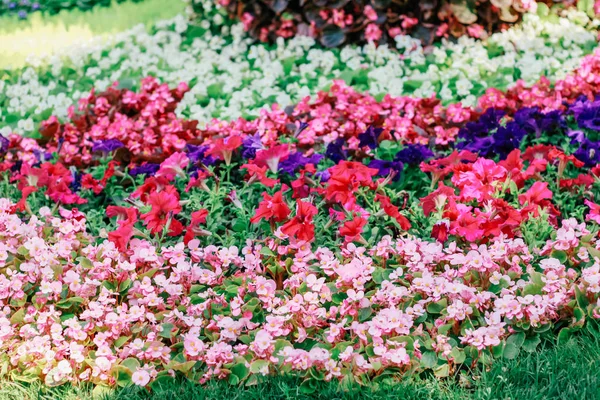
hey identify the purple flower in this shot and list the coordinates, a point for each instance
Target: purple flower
(323, 175)
(76, 182)
(107, 146)
(301, 127)
(589, 153)
(4, 143)
(488, 121)
(295, 161)
(42, 156)
(16, 166)
(197, 154)
(506, 139)
(335, 151)
(251, 144)
(413, 154)
(387, 167)
(148, 169)
(576, 136)
(589, 117)
(22, 14)
(370, 137)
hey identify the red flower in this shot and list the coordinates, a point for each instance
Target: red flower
(25, 192)
(151, 185)
(270, 157)
(88, 182)
(164, 204)
(126, 218)
(223, 148)
(301, 226)
(437, 199)
(121, 236)
(197, 218)
(346, 178)
(260, 174)
(125, 215)
(468, 226)
(393, 211)
(440, 230)
(536, 193)
(272, 208)
(351, 230)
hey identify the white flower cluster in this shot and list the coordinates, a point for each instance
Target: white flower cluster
(231, 76)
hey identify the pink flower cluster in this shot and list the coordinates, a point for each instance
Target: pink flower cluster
(72, 310)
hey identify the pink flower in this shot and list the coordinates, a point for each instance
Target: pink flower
(373, 33)
(594, 213)
(174, 166)
(140, 377)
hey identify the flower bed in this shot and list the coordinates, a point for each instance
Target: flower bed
(228, 219)
(240, 79)
(346, 238)
(334, 24)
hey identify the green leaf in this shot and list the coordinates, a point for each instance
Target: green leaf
(442, 371)
(69, 302)
(564, 335)
(308, 386)
(85, 263)
(380, 275)
(257, 365)
(364, 314)
(184, 367)
(513, 345)
(458, 355)
(131, 364)
(240, 370)
(17, 317)
(582, 301)
(101, 392)
(437, 308)
(122, 375)
(429, 359)
(121, 341)
(531, 343)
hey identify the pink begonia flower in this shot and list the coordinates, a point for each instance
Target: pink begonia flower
(373, 33)
(140, 377)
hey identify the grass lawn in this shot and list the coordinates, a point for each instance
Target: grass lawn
(48, 34)
(567, 371)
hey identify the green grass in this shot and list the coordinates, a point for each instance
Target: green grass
(567, 371)
(44, 34)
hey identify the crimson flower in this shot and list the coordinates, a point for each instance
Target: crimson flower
(260, 174)
(437, 199)
(346, 178)
(393, 211)
(197, 218)
(223, 148)
(301, 226)
(272, 208)
(126, 218)
(351, 230)
(164, 204)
